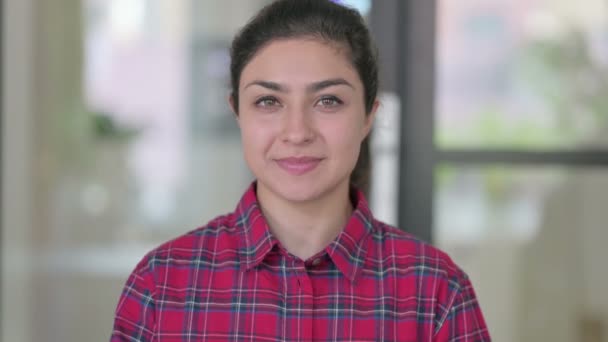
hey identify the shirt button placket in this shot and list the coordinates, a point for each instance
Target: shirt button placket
(307, 304)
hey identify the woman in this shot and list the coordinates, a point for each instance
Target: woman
(301, 257)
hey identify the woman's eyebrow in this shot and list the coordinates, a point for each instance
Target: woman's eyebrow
(317, 86)
(268, 85)
(312, 88)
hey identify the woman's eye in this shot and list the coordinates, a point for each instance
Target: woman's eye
(267, 102)
(330, 101)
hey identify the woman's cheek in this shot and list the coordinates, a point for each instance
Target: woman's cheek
(259, 137)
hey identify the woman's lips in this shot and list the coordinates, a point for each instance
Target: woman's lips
(298, 165)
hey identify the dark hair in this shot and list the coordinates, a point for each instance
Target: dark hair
(322, 19)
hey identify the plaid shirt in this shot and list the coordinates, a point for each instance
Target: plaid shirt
(231, 280)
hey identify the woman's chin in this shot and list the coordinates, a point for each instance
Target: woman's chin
(296, 191)
(300, 190)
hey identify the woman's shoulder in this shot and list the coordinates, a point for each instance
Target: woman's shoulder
(217, 239)
(407, 251)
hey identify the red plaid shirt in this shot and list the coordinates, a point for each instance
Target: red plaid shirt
(231, 280)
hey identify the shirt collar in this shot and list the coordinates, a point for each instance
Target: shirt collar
(347, 251)
(256, 240)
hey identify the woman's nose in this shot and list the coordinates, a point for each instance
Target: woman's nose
(298, 127)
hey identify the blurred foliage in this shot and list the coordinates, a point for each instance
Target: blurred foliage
(559, 74)
(106, 128)
(497, 180)
(573, 85)
(80, 133)
(493, 129)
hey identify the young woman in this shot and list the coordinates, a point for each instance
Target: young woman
(301, 258)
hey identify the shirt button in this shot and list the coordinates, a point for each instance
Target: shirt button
(316, 262)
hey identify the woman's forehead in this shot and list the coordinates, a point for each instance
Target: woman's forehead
(300, 62)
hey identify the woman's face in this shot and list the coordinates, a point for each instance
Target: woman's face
(302, 118)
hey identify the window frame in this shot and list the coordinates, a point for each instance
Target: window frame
(405, 32)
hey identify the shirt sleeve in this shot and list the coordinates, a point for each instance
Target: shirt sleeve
(463, 321)
(135, 317)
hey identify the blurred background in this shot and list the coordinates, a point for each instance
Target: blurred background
(492, 142)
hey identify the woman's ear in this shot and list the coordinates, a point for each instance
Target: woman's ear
(371, 117)
(231, 103)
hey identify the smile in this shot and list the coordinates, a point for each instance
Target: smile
(298, 165)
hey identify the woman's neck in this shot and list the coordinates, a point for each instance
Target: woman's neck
(306, 228)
